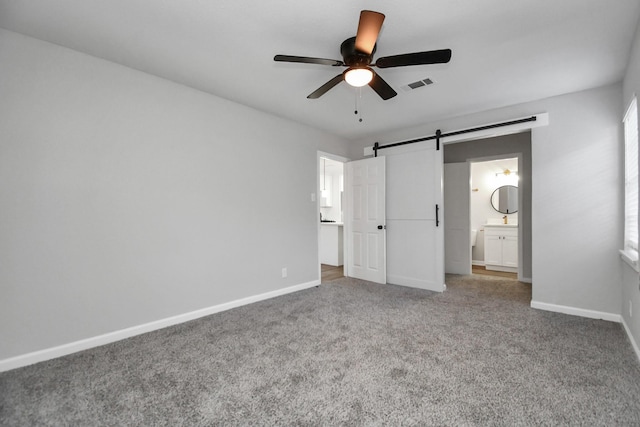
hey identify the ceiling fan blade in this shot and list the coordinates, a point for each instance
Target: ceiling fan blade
(368, 30)
(325, 87)
(381, 87)
(418, 58)
(307, 60)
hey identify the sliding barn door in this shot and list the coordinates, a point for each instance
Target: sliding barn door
(365, 219)
(415, 236)
(457, 228)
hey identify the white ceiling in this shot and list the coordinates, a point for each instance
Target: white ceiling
(504, 51)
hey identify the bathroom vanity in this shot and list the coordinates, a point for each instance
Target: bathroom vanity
(331, 243)
(501, 247)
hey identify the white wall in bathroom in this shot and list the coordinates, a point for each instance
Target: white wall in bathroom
(335, 176)
(484, 179)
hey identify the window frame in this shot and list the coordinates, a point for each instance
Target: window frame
(629, 252)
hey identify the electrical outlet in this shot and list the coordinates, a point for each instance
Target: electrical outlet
(284, 272)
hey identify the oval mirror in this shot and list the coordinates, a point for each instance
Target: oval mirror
(505, 199)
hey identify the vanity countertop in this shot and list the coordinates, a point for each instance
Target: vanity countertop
(502, 225)
(332, 223)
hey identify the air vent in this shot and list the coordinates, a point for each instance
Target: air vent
(417, 85)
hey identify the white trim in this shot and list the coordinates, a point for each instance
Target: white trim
(85, 344)
(630, 218)
(630, 108)
(631, 259)
(335, 157)
(574, 311)
(342, 160)
(525, 280)
(633, 342)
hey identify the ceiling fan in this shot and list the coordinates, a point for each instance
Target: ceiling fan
(357, 54)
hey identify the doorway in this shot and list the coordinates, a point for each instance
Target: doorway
(481, 216)
(497, 148)
(330, 215)
(493, 216)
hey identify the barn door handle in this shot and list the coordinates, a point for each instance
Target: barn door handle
(437, 219)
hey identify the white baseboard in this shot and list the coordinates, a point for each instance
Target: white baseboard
(85, 344)
(479, 263)
(634, 344)
(591, 314)
(526, 280)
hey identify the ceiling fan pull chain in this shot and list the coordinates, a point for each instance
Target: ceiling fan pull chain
(355, 101)
(358, 94)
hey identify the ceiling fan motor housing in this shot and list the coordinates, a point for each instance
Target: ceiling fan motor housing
(353, 57)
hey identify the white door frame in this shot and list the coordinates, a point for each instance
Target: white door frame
(519, 156)
(342, 160)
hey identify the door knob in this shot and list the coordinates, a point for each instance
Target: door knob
(380, 227)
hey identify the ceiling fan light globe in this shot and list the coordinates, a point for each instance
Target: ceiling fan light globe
(358, 77)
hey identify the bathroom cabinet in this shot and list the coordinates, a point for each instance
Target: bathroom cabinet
(331, 244)
(501, 247)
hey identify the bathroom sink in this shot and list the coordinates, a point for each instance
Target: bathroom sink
(499, 222)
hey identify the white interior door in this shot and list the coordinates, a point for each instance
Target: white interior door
(415, 236)
(457, 229)
(365, 220)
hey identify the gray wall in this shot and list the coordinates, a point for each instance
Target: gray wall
(128, 199)
(507, 144)
(576, 195)
(630, 287)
